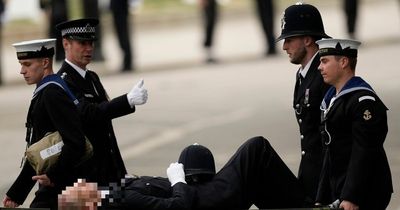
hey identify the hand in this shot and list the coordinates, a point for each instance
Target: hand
(347, 205)
(176, 173)
(8, 203)
(138, 94)
(43, 180)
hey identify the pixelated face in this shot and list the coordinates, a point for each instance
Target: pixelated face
(81, 196)
(32, 70)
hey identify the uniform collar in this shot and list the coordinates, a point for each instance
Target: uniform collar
(303, 71)
(354, 84)
(81, 71)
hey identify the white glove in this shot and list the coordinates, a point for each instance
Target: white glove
(176, 173)
(138, 94)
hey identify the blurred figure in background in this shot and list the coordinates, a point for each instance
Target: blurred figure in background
(120, 13)
(351, 10)
(210, 14)
(91, 10)
(56, 11)
(2, 7)
(265, 11)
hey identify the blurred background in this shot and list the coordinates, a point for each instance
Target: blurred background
(217, 94)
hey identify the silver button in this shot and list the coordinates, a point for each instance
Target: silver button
(301, 137)
(147, 184)
(297, 106)
(300, 121)
(303, 153)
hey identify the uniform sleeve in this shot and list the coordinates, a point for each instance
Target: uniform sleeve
(369, 129)
(182, 198)
(105, 110)
(64, 116)
(20, 189)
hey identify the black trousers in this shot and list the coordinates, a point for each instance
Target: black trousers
(265, 11)
(120, 15)
(254, 175)
(210, 14)
(351, 11)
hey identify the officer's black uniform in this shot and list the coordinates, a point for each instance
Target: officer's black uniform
(355, 164)
(96, 110)
(96, 115)
(306, 101)
(305, 20)
(52, 110)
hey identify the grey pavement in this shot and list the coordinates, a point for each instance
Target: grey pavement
(216, 105)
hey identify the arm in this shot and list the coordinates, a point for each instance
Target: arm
(369, 129)
(21, 187)
(181, 198)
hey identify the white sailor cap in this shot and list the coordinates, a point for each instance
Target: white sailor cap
(39, 48)
(344, 47)
(79, 29)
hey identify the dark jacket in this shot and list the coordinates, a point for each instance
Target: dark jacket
(306, 101)
(52, 110)
(96, 112)
(355, 166)
(153, 193)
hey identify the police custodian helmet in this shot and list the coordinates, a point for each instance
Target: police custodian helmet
(198, 163)
(302, 19)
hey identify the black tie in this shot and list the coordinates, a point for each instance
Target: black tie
(301, 78)
(89, 81)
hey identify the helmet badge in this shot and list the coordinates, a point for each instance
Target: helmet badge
(283, 22)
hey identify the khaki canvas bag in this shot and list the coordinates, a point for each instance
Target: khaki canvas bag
(44, 153)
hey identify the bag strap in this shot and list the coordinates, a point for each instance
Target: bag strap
(55, 79)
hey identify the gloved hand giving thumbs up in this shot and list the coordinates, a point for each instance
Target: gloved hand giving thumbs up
(138, 94)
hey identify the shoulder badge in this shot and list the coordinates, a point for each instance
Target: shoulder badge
(367, 115)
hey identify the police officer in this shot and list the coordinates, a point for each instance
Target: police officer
(96, 109)
(355, 171)
(255, 174)
(301, 26)
(51, 109)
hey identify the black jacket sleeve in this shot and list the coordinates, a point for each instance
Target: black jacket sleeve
(181, 198)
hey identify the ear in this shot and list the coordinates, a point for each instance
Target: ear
(308, 40)
(344, 62)
(46, 62)
(65, 43)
